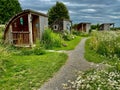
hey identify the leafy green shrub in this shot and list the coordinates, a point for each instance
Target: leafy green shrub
(51, 39)
(67, 36)
(39, 49)
(84, 34)
(75, 32)
(80, 33)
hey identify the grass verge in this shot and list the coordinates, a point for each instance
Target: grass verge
(30, 72)
(70, 44)
(91, 55)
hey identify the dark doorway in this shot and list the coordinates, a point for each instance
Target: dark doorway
(35, 28)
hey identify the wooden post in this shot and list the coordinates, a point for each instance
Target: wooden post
(40, 27)
(30, 29)
(10, 35)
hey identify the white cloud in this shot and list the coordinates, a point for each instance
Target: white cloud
(114, 17)
(43, 11)
(72, 12)
(91, 17)
(75, 4)
(116, 13)
(88, 10)
(98, 5)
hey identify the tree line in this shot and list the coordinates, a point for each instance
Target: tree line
(8, 8)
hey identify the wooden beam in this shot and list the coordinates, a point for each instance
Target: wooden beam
(10, 35)
(20, 32)
(30, 29)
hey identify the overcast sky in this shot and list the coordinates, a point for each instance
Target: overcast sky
(94, 11)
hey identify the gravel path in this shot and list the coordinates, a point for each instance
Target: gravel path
(75, 62)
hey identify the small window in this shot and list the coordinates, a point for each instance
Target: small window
(55, 27)
(68, 26)
(21, 20)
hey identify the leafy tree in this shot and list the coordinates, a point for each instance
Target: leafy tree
(75, 26)
(58, 11)
(8, 8)
(95, 27)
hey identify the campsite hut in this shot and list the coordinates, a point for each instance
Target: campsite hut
(106, 26)
(25, 28)
(84, 27)
(61, 25)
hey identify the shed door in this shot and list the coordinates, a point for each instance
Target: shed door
(35, 28)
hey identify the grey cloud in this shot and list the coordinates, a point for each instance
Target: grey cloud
(94, 11)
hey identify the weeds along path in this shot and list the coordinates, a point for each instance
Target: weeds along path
(75, 62)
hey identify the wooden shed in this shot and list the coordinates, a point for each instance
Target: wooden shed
(84, 27)
(25, 28)
(61, 25)
(106, 26)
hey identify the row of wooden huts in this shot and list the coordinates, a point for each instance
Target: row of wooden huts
(26, 27)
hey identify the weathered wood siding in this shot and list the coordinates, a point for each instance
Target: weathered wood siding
(88, 27)
(106, 27)
(84, 27)
(9, 35)
(43, 25)
(67, 25)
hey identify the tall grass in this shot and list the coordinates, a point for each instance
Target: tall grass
(106, 43)
(1, 33)
(51, 39)
(4, 60)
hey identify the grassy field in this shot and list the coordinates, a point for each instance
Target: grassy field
(30, 72)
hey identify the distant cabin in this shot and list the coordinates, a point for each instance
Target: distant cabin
(84, 27)
(61, 25)
(25, 28)
(106, 26)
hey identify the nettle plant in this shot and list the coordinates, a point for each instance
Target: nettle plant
(95, 80)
